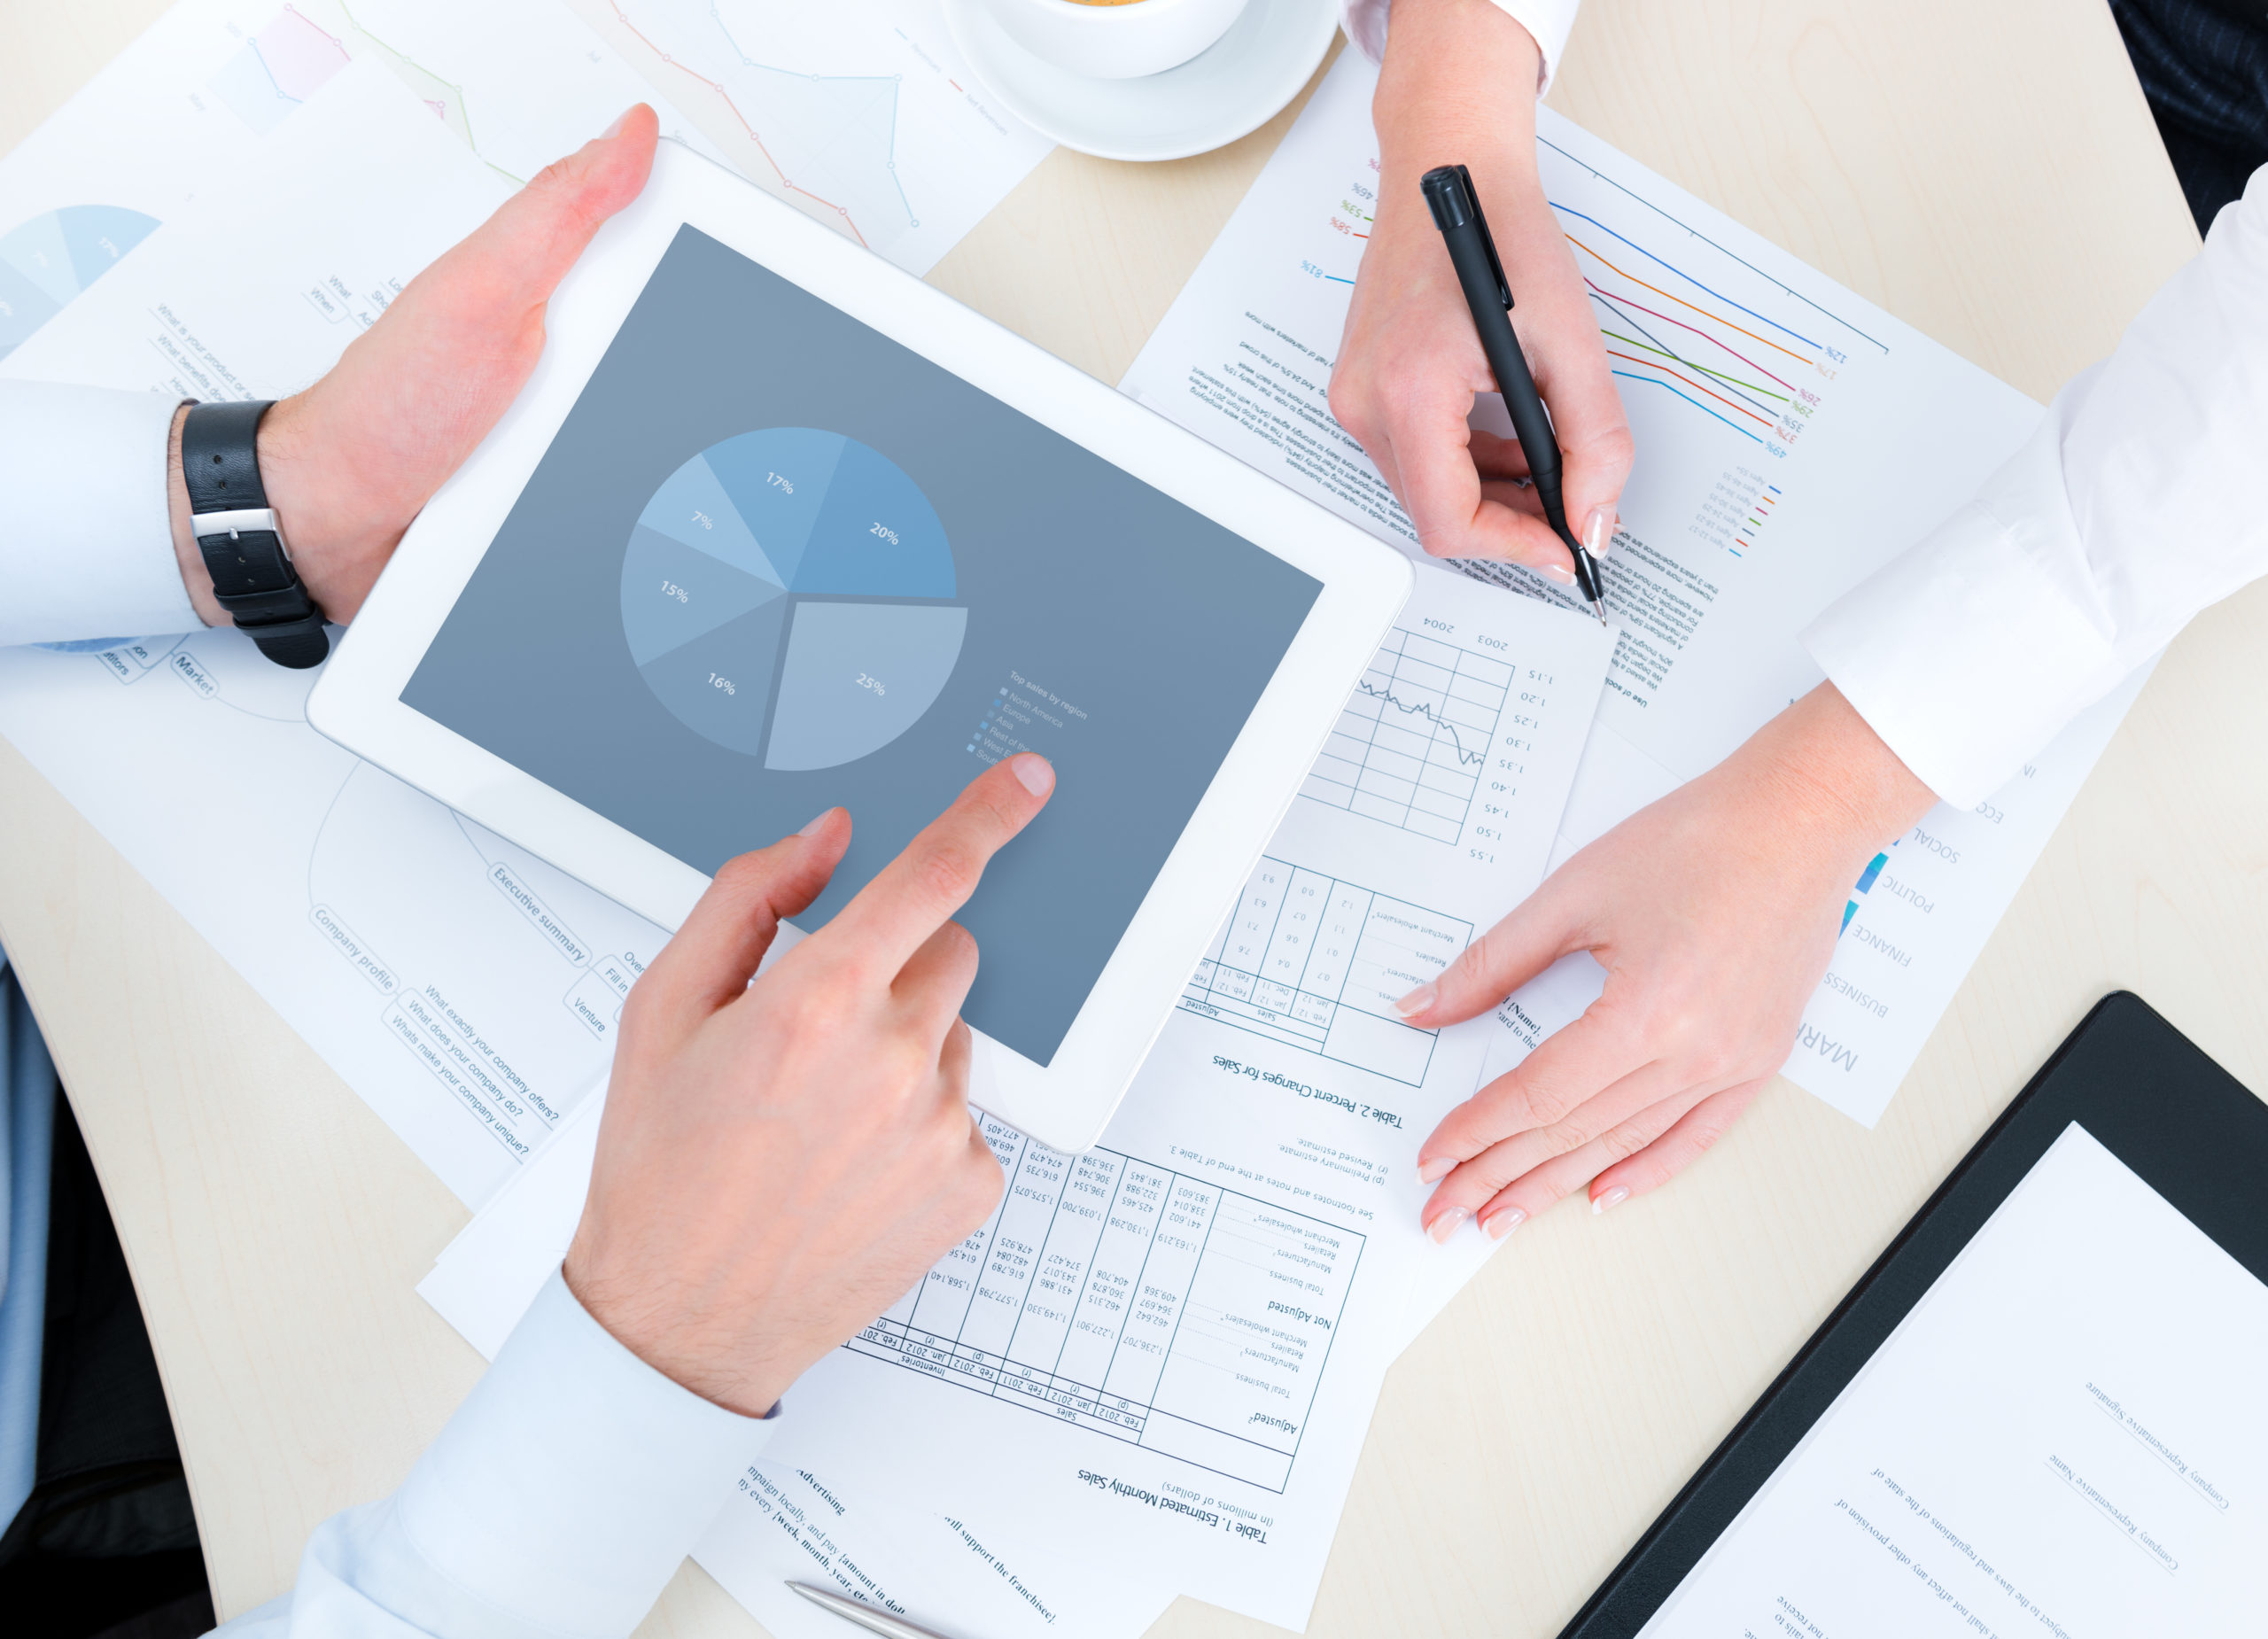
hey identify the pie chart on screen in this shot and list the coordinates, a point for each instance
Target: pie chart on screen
(787, 593)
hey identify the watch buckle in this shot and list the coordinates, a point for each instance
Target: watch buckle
(257, 520)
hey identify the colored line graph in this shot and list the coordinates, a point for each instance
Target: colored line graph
(1617, 305)
(1699, 237)
(1695, 403)
(292, 57)
(1681, 302)
(1761, 420)
(1689, 278)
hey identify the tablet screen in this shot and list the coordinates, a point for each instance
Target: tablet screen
(774, 561)
(2066, 1436)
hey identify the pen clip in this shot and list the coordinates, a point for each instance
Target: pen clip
(1487, 239)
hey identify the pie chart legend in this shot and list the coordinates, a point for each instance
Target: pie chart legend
(786, 594)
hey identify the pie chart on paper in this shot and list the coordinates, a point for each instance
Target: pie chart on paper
(46, 261)
(786, 594)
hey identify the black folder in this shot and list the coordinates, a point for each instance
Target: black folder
(2187, 1128)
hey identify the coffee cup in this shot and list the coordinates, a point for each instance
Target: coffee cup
(1116, 39)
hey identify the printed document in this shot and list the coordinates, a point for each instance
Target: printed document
(1170, 1346)
(865, 117)
(1790, 439)
(213, 84)
(467, 991)
(2065, 1437)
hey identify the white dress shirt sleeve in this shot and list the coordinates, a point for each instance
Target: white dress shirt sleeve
(86, 547)
(2138, 502)
(1548, 21)
(556, 1503)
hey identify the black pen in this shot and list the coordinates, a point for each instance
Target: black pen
(1456, 213)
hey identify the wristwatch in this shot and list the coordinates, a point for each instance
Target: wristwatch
(241, 540)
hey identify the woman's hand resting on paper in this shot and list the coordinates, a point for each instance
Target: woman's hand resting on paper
(1714, 912)
(780, 1160)
(349, 464)
(1458, 86)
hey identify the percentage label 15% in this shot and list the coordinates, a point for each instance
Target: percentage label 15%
(669, 588)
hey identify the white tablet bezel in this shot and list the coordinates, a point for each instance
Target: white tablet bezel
(1067, 1102)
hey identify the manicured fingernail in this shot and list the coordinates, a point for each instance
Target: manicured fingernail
(817, 821)
(1613, 1198)
(1409, 1007)
(620, 119)
(1598, 529)
(1447, 1224)
(1559, 573)
(1037, 774)
(1504, 1223)
(1434, 1170)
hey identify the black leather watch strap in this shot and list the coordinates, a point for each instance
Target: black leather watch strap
(240, 537)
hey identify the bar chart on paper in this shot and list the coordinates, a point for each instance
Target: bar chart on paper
(1135, 1301)
(1411, 750)
(1316, 962)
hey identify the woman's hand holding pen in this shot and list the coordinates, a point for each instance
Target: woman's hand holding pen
(1454, 89)
(1714, 912)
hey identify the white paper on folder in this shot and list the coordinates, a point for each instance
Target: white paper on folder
(465, 989)
(2065, 1436)
(1790, 439)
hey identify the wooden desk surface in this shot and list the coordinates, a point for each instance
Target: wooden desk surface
(1989, 174)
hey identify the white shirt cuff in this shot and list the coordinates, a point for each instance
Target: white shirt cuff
(560, 1498)
(86, 544)
(1969, 651)
(1547, 21)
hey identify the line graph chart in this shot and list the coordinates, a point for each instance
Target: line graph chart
(1712, 355)
(862, 117)
(1411, 746)
(519, 84)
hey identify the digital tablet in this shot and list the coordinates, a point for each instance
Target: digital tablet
(2040, 1412)
(776, 526)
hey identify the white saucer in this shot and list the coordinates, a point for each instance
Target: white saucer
(1239, 84)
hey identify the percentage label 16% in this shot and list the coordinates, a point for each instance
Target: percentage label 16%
(724, 683)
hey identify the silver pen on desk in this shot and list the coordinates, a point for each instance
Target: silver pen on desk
(872, 1620)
